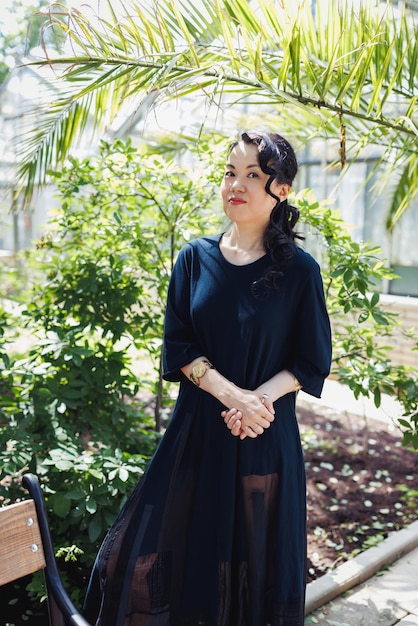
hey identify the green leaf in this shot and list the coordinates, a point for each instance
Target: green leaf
(377, 397)
(95, 528)
(375, 299)
(364, 315)
(123, 474)
(91, 505)
(404, 423)
(60, 505)
(75, 495)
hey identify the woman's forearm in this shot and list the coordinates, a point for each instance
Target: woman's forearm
(213, 382)
(279, 385)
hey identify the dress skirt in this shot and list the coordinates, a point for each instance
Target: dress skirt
(202, 541)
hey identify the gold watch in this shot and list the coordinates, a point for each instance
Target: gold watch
(200, 370)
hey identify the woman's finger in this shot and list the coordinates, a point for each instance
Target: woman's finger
(249, 432)
(236, 428)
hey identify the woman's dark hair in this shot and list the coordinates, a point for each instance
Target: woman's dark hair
(277, 159)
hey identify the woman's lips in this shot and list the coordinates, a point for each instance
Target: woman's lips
(236, 201)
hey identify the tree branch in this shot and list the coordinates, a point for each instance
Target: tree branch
(213, 72)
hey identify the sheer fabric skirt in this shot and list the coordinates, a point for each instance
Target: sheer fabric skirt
(204, 541)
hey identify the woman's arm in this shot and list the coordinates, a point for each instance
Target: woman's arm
(279, 385)
(255, 414)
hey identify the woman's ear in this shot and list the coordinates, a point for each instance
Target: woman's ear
(284, 190)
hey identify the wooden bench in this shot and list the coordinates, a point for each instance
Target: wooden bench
(26, 547)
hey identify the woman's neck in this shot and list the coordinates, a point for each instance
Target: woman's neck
(242, 240)
(242, 249)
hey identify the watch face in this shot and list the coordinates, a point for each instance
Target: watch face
(199, 369)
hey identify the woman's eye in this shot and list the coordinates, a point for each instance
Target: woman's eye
(228, 174)
(252, 175)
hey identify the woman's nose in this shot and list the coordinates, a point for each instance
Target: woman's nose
(237, 184)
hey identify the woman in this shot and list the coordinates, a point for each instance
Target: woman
(215, 532)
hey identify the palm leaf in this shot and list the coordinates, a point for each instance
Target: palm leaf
(405, 191)
(359, 66)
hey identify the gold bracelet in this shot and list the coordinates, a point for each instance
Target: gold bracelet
(297, 383)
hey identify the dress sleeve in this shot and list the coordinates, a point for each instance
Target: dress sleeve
(311, 357)
(180, 344)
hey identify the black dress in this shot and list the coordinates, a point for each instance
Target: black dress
(215, 532)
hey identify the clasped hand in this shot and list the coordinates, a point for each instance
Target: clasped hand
(250, 415)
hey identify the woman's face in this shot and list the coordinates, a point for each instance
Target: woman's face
(245, 200)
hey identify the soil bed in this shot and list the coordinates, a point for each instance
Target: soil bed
(361, 484)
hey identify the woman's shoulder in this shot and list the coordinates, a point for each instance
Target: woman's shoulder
(201, 244)
(193, 251)
(305, 262)
(205, 242)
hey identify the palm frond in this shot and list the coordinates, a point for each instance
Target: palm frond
(405, 191)
(361, 65)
